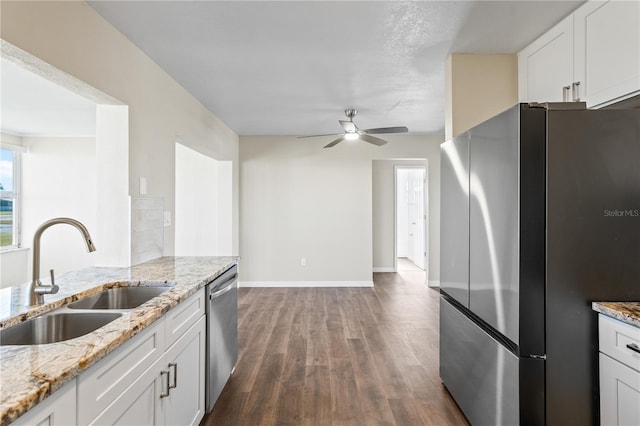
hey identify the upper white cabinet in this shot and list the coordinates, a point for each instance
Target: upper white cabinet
(592, 55)
(607, 50)
(545, 67)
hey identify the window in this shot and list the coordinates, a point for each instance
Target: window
(9, 201)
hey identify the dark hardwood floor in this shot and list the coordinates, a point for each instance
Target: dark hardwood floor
(338, 356)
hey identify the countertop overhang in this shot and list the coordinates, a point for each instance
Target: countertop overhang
(628, 312)
(30, 374)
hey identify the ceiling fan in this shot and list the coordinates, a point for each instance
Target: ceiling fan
(351, 131)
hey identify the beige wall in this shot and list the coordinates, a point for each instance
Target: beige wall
(300, 200)
(74, 38)
(477, 87)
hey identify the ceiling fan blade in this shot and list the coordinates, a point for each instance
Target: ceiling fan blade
(348, 126)
(372, 139)
(313, 136)
(335, 142)
(401, 129)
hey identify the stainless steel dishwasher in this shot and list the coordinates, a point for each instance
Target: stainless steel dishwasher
(222, 333)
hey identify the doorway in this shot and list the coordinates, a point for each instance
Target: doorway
(410, 218)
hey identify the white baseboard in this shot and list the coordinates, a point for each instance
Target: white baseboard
(383, 269)
(305, 284)
(434, 284)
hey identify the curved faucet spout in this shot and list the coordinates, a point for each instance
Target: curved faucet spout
(36, 290)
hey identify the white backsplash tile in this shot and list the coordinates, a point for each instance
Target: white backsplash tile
(147, 230)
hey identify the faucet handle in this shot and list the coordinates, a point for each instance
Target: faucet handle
(54, 287)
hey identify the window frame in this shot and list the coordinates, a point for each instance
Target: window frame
(15, 195)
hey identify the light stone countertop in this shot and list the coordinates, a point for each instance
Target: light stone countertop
(628, 312)
(29, 374)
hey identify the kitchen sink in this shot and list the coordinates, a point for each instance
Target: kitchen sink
(119, 298)
(53, 328)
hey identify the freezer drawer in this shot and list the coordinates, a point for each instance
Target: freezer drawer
(481, 375)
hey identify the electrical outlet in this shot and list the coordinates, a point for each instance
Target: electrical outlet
(303, 261)
(167, 218)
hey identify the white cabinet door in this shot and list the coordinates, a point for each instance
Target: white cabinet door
(546, 65)
(57, 410)
(619, 393)
(607, 50)
(110, 378)
(185, 362)
(139, 404)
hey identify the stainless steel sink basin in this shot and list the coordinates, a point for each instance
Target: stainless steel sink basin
(119, 298)
(55, 328)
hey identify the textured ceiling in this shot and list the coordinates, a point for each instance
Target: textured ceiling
(292, 67)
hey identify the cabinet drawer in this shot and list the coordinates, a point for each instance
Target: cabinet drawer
(183, 316)
(616, 340)
(106, 381)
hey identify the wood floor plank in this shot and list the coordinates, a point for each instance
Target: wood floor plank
(346, 409)
(317, 396)
(338, 357)
(371, 389)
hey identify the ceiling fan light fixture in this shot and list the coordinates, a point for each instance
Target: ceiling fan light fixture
(352, 133)
(351, 136)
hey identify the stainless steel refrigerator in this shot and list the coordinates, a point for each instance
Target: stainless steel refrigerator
(540, 216)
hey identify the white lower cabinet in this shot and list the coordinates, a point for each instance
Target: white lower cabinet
(619, 363)
(170, 392)
(139, 404)
(185, 364)
(118, 374)
(57, 410)
(156, 378)
(619, 393)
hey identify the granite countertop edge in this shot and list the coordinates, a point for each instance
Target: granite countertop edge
(32, 373)
(627, 312)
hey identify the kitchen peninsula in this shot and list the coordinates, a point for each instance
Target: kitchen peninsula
(32, 373)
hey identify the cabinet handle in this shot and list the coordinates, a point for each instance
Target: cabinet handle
(175, 375)
(565, 93)
(166, 392)
(575, 88)
(633, 347)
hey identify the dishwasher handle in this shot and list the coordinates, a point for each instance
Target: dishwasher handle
(223, 290)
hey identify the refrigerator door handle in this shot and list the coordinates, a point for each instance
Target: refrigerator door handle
(537, 356)
(633, 347)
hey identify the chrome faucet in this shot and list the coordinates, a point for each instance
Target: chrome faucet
(36, 291)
